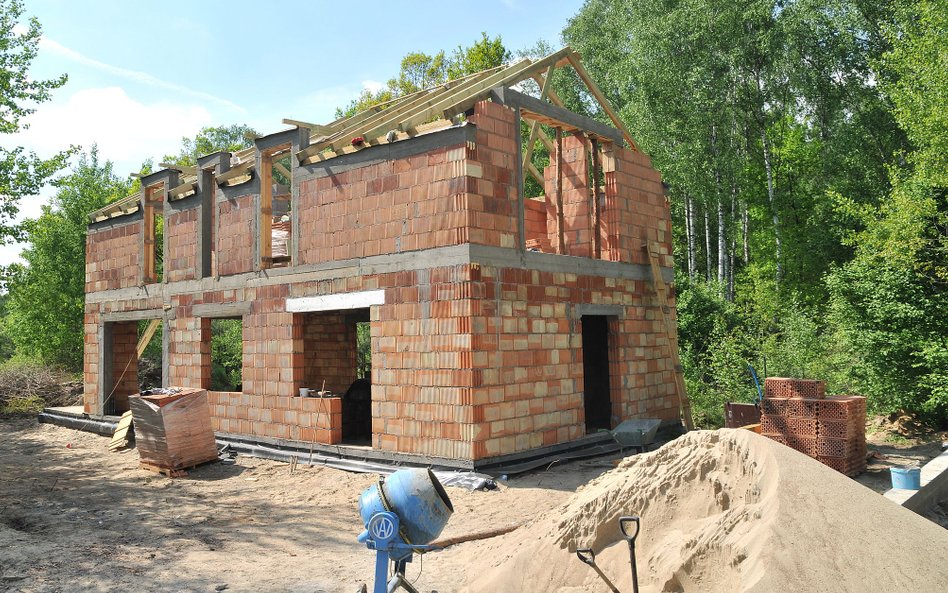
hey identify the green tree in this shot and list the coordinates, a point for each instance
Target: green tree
(419, 71)
(46, 296)
(22, 173)
(212, 139)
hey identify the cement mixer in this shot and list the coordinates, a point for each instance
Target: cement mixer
(402, 514)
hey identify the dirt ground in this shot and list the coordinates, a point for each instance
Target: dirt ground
(74, 517)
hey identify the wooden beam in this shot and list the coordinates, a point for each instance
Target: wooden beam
(535, 126)
(241, 170)
(147, 336)
(357, 124)
(511, 76)
(313, 128)
(189, 169)
(532, 169)
(658, 284)
(606, 106)
(532, 108)
(283, 170)
(424, 110)
(182, 190)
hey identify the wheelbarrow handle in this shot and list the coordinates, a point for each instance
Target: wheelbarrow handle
(587, 556)
(625, 522)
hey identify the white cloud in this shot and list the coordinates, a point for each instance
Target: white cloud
(373, 86)
(134, 75)
(126, 131)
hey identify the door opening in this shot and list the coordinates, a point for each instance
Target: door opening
(596, 401)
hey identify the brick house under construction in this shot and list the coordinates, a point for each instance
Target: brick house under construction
(501, 324)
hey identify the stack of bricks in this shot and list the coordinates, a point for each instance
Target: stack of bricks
(832, 430)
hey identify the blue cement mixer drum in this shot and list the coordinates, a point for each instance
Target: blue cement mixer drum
(416, 497)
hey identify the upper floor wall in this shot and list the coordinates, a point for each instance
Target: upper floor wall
(456, 186)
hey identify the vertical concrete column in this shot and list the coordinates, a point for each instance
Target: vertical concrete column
(208, 168)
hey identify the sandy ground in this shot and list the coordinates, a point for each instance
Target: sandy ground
(74, 517)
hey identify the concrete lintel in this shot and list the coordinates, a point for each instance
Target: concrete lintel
(288, 137)
(167, 176)
(593, 309)
(141, 315)
(438, 257)
(336, 302)
(387, 152)
(220, 161)
(219, 310)
(512, 98)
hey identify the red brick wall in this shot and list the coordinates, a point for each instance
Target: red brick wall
(124, 365)
(635, 210)
(310, 420)
(90, 359)
(183, 251)
(403, 205)
(234, 235)
(577, 221)
(527, 351)
(112, 257)
(189, 348)
(535, 226)
(492, 196)
(329, 351)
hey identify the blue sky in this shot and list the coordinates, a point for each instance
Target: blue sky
(142, 75)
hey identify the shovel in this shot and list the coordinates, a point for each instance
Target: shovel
(589, 557)
(625, 524)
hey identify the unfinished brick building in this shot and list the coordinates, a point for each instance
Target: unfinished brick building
(501, 324)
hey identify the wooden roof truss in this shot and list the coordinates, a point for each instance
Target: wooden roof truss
(425, 111)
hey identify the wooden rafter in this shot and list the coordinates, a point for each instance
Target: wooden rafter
(425, 110)
(606, 106)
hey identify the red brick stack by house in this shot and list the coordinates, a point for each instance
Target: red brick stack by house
(832, 430)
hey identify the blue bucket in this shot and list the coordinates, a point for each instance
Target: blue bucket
(417, 497)
(906, 478)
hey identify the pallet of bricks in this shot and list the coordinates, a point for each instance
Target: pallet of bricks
(173, 429)
(832, 430)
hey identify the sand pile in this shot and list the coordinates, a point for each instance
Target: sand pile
(722, 511)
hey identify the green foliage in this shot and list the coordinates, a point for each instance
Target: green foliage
(21, 173)
(226, 354)
(420, 71)
(210, 140)
(46, 296)
(363, 349)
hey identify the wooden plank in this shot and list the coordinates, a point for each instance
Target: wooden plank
(357, 125)
(147, 335)
(239, 171)
(532, 108)
(189, 169)
(317, 129)
(658, 284)
(182, 190)
(511, 76)
(404, 119)
(120, 436)
(535, 126)
(606, 106)
(535, 173)
(283, 170)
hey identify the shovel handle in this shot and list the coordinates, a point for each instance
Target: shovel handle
(625, 522)
(587, 556)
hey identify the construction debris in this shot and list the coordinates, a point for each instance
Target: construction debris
(121, 437)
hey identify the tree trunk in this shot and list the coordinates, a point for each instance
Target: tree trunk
(768, 167)
(730, 251)
(745, 224)
(707, 247)
(690, 233)
(722, 247)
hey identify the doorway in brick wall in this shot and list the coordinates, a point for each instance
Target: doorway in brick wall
(337, 357)
(596, 401)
